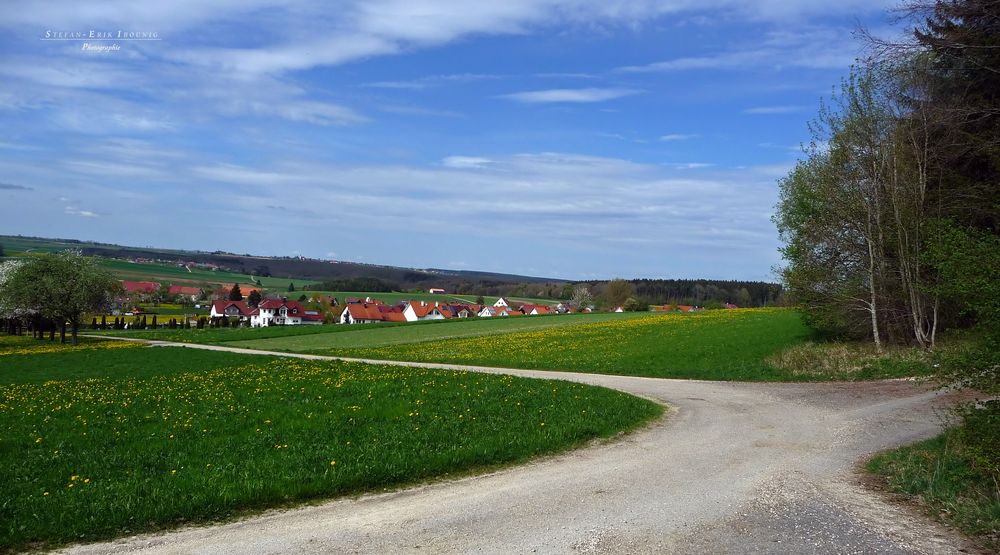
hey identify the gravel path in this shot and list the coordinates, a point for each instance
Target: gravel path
(734, 468)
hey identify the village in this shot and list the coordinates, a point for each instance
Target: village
(249, 306)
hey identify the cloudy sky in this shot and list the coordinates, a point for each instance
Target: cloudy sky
(565, 138)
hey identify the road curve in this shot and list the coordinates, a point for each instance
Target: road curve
(734, 468)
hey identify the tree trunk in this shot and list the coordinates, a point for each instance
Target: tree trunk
(62, 332)
(74, 327)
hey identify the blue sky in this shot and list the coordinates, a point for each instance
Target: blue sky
(562, 138)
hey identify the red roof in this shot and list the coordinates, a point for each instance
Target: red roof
(141, 286)
(364, 311)
(221, 306)
(312, 316)
(294, 307)
(393, 317)
(421, 308)
(183, 290)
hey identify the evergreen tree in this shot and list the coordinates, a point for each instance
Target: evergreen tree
(235, 294)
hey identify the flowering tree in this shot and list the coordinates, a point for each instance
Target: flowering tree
(62, 287)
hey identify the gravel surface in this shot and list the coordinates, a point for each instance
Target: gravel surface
(733, 468)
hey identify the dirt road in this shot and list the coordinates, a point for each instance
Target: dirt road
(734, 468)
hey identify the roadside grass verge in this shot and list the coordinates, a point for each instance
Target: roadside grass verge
(853, 361)
(714, 345)
(950, 477)
(103, 442)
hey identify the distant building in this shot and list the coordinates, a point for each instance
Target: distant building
(436, 291)
(183, 291)
(142, 287)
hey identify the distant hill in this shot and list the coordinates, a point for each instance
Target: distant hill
(276, 273)
(298, 268)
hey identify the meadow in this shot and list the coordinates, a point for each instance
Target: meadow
(112, 438)
(397, 296)
(748, 344)
(713, 345)
(443, 331)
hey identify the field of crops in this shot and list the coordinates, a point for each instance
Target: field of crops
(110, 438)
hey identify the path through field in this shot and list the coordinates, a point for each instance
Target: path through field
(735, 468)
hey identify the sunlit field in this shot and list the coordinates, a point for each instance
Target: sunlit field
(113, 438)
(719, 344)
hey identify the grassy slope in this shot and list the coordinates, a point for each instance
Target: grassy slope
(102, 440)
(169, 273)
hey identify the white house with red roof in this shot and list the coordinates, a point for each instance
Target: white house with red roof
(418, 311)
(361, 313)
(277, 312)
(231, 309)
(536, 309)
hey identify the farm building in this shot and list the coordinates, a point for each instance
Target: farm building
(436, 291)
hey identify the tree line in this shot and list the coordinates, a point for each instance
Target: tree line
(890, 223)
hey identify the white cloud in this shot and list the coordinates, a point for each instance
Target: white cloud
(677, 137)
(558, 196)
(465, 162)
(810, 48)
(586, 95)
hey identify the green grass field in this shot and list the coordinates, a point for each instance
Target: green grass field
(443, 331)
(746, 344)
(715, 345)
(110, 438)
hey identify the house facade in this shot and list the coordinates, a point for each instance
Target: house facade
(418, 311)
(231, 309)
(277, 312)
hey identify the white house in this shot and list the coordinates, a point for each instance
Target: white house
(501, 302)
(490, 311)
(361, 313)
(277, 312)
(421, 310)
(231, 309)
